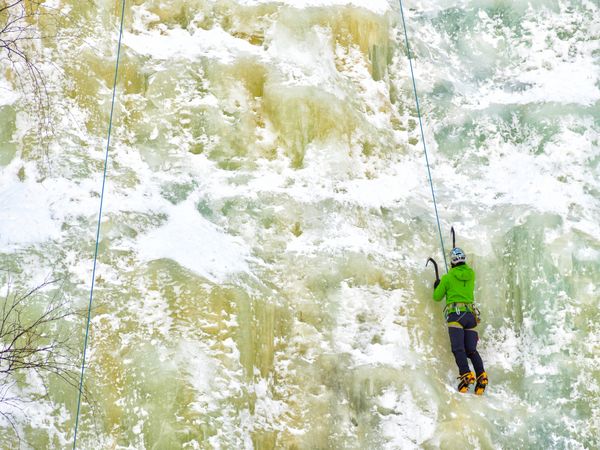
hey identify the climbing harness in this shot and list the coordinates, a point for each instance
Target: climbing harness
(412, 74)
(457, 308)
(89, 314)
(477, 314)
(466, 307)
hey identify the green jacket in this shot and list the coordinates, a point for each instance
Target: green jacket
(457, 285)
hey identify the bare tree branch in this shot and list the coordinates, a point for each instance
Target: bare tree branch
(34, 339)
(19, 35)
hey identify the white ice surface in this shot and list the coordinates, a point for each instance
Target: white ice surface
(31, 212)
(377, 6)
(7, 94)
(176, 43)
(196, 244)
(565, 82)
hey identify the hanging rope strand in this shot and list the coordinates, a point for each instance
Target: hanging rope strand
(89, 314)
(412, 74)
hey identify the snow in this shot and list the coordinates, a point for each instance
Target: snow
(376, 6)
(566, 82)
(178, 43)
(8, 96)
(409, 426)
(26, 218)
(33, 212)
(196, 244)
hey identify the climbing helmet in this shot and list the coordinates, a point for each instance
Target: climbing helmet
(457, 256)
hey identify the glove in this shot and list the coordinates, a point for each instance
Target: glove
(436, 283)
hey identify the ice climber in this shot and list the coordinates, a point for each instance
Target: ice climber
(458, 286)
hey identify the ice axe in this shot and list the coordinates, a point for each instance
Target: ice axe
(453, 237)
(437, 273)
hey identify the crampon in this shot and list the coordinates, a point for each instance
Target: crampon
(466, 379)
(482, 381)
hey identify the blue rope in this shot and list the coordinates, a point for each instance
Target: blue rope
(412, 74)
(87, 329)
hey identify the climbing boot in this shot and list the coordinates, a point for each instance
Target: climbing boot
(482, 381)
(466, 379)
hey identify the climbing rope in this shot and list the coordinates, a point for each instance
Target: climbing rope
(89, 314)
(412, 74)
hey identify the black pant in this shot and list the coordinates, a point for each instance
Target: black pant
(463, 339)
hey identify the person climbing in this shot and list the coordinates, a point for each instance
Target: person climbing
(458, 286)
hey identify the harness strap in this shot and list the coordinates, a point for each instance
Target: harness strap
(455, 307)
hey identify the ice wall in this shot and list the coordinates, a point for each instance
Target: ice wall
(261, 281)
